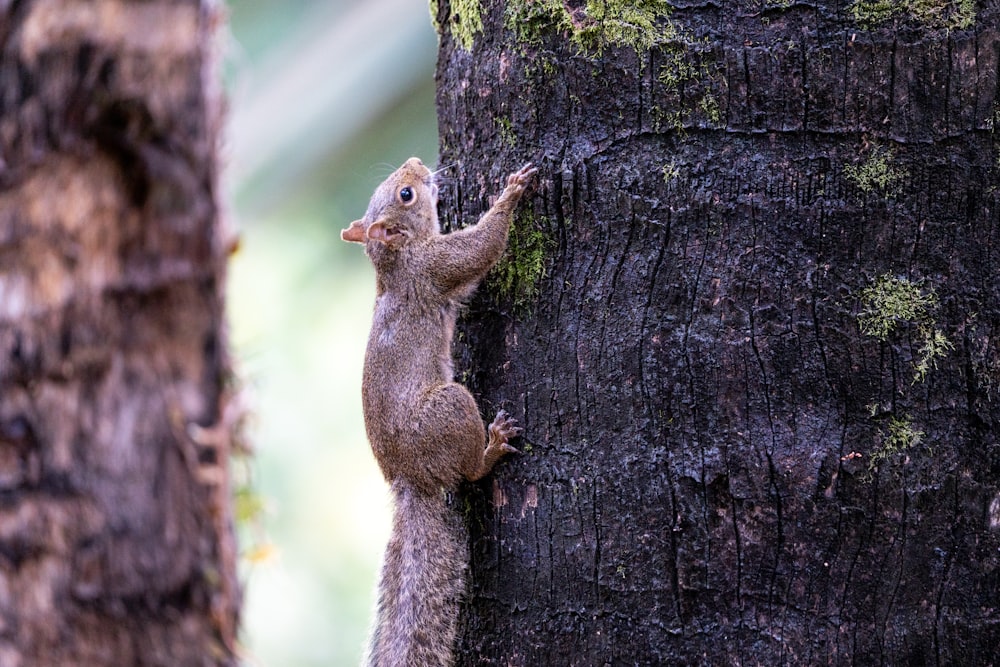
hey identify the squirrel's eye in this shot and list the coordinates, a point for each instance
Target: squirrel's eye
(406, 194)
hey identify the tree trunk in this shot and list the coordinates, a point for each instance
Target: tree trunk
(115, 539)
(760, 376)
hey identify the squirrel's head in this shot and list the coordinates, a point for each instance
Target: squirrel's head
(403, 209)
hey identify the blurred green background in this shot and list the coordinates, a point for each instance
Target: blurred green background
(325, 100)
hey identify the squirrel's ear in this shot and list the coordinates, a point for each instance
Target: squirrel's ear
(355, 233)
(377, 231)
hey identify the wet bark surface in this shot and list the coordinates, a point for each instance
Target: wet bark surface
(115, 543)
(721, 464)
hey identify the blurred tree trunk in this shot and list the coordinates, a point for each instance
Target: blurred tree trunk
(115, 539)
(760, 380)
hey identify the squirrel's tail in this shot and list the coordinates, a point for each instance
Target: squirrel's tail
(422, 581)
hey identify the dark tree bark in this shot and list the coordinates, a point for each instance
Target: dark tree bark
(115, 539)
(760, 380)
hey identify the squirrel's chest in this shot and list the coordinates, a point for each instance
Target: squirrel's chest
(410, 338)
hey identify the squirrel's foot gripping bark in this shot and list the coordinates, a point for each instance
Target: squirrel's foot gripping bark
(503, 428)
(518, 182)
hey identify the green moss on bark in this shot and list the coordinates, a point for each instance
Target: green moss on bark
(639, 24)
(433, 6)
(946, 14)
(877, 173)
(899, 436)
(891, 301)
(465, 21)
(519, 272)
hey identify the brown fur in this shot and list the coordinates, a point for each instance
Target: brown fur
(424, 428)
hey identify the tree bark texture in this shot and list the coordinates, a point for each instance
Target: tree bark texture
(115, 539)
(760, 378)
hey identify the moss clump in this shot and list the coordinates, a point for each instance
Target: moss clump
(530, 20)
(636, 24)
(935, 345)
(518, 273)
(622, 23)
(671, 171)
(898, 436)
(890, 301)
(466, 21)
(710, 107)
(938, 14)
(877, 173)
(870, 14)
(433, 6)
(506, 130)
(687, 74)
(677, 68)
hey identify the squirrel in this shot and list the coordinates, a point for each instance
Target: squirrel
(424, 428)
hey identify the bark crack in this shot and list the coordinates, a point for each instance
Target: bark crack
(900, 565)
(596, 518)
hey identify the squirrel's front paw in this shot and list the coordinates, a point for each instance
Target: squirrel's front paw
(502, 430)
(520, 178)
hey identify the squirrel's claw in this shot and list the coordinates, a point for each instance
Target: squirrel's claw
(503, 428)
(522, 176)
(501, 431)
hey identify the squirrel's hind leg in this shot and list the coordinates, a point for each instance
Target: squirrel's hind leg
(450, 438)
